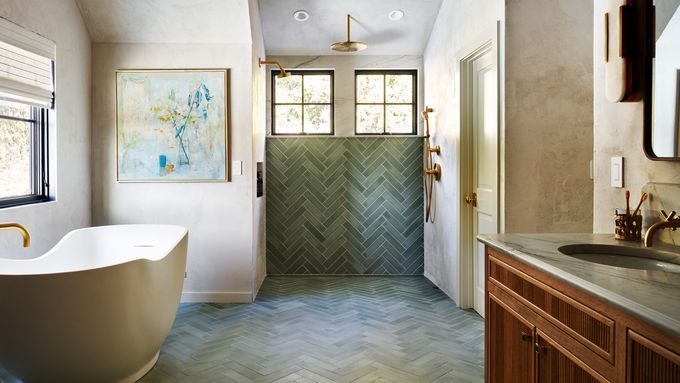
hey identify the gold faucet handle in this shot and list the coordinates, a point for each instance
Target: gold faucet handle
(669, 217)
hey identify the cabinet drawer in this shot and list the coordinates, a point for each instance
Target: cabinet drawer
(586, 325)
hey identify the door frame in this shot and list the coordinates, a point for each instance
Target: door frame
(485, 43)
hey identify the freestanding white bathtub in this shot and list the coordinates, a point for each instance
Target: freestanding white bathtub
(95, 308)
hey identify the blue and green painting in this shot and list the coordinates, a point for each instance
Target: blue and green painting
(171, 125)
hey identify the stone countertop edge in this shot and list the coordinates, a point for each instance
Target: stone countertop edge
(663, 322)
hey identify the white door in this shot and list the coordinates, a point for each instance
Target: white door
(485, 163)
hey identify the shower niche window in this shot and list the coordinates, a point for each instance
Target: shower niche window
(302, 103)
(385, 102)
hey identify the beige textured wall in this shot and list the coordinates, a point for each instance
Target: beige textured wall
(548, 115)
(546, 82)
(461, 26)
(219, 215)
(259, 133)
(618, 132)
(69, 132)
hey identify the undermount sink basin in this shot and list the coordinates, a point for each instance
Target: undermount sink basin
(627, 257)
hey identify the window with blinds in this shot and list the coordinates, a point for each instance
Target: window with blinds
(26, 66)
(26, 97)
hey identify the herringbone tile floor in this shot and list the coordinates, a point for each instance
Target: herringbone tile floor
(326, 329)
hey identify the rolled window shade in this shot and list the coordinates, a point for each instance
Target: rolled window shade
(26, 66)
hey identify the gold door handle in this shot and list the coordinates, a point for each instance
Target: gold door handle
(471, 199)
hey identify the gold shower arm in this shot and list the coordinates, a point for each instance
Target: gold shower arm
(272, 62)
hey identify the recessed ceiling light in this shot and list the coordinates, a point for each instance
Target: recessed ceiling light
(395, 15)
(301, 15)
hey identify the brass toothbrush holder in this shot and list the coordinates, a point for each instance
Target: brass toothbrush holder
(628, 227)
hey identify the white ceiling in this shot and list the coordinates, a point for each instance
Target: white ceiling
(167, 21)
(327, 24)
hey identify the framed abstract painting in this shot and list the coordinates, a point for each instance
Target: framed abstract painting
(172, 125)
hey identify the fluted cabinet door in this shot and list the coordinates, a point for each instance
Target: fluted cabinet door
(557, 365)
(510, 355)
(649, 362)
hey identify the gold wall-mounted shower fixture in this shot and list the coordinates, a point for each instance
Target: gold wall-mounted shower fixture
(283, 73)
(349, 45)
(433, 172)
(426, 114)
(436, 171)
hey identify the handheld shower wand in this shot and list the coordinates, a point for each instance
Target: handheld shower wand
(432, 171)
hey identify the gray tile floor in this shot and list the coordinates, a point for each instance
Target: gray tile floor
(326, 329)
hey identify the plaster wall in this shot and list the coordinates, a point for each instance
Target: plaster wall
(471, 22)
(548, 116)
(618, 132)
(219, 216)
(69, 130)
(259, 133)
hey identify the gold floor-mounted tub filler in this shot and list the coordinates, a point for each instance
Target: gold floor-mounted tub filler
(20, 228)
(433, 171)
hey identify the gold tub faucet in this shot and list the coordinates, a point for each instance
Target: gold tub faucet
(20, 228)
(670, 221)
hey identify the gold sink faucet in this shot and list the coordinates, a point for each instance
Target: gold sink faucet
(670, 221)
(20, 228)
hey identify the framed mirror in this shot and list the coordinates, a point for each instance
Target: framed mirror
(662, 90)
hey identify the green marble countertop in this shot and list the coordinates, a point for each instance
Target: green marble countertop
(652, 296)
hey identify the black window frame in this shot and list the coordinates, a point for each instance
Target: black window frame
(303, 73)
(414, 100)
(39, 122)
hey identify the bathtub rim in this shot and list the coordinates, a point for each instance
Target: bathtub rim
(184, 231)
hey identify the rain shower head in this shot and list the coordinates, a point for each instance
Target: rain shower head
(349, 45)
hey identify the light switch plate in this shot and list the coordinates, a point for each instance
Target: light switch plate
(236, 168)
(617, 172)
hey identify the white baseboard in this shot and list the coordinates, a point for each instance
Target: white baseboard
(217, 297)
(448, 294)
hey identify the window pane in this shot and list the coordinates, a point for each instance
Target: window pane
(370, 119)
(317, 119)
(317, 89)
(15, 158)
(13, 109)
(288, 119)
(399, 88)
(288, 89)
(370, 89)
(400, 119)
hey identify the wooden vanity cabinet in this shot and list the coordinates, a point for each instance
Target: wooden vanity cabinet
(539, 329)
(515, 356)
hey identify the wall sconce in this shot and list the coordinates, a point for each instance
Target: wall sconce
(624, 23)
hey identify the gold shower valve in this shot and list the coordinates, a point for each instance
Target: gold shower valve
(436, 171)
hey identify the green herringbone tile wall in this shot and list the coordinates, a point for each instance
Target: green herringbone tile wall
(344, 206)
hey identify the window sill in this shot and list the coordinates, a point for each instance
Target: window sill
(24, 201)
